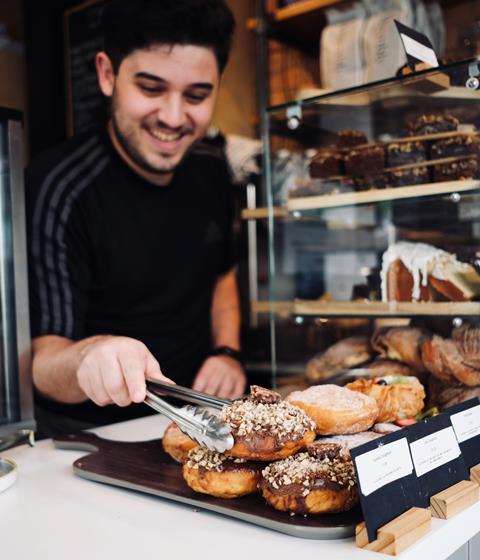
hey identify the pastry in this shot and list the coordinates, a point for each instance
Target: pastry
(443, 394)
(457, 146)
(217, 475)
(265, 428)
(403, 153)
(347, 353)
(433, 124)
(340, 445)
(450, 359)
(398, 397)
(405, 177)
(385, 366)
(400, 343)
(348, 138)
(176, 443)
(326, 163)
(385, 428)
(456, 170)
(303, 484)
(467, 341)
(321, 186)
(367, 182)
(366, 160)
(336, 410)
(421, 272)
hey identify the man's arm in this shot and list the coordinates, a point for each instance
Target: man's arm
(221, 375)
(105, 369)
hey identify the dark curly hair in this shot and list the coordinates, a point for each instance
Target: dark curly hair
(137, 24)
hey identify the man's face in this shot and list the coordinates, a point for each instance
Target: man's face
(162, 103)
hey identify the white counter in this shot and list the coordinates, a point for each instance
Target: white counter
(51, 514)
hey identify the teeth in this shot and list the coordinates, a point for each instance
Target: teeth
(164, 137)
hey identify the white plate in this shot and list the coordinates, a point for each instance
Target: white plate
(8, 474)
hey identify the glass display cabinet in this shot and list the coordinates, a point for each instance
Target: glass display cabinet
(373, 221)
(16, 402)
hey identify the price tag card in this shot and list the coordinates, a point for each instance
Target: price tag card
(436, 456)
(386, 477)
(465, 418)
(417, 46)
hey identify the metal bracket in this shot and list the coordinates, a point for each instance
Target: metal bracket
(294, 116)
(473, 81)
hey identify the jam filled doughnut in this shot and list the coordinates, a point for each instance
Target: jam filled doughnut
(306, 483)
(216, 474)
(398, 396)
(176, 443)
(336, 410)
(265, 428)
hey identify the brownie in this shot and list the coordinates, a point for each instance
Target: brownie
(326, 163)
(456, 146)
(323, 186)
(456, 170)
(367, 160)
(433, 124)
(413, 176)
(348, 138)
(403, 153)
(368, 182)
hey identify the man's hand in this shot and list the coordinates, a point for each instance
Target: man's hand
(221, 376)
(113, 370)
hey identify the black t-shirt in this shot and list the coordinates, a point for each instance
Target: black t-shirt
(110, 253)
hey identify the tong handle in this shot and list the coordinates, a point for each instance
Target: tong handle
(187, 395)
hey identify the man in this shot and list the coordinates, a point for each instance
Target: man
(130, 228)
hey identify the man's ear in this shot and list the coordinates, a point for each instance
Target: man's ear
(105, 73)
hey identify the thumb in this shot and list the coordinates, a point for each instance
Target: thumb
(152, 370)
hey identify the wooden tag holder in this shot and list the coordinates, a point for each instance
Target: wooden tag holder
(452, 500)
(397, 535)
(475, 474)
(430, 83)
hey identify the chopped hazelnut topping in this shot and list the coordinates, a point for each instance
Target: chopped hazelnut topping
(265, 396)
(201, 457)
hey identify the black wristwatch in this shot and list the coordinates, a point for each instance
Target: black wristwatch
(230, 352)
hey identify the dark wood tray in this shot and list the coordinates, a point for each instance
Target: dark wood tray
(145, 467)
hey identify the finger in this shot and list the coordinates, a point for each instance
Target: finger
(214, 382)
(239, 387)
(90, 381)
(226, 387)
(200, 381)
(114, 382)
(134, 375)
(152, 369)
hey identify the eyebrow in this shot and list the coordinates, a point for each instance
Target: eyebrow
(146, 76)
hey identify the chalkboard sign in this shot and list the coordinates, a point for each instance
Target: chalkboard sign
(85, 102)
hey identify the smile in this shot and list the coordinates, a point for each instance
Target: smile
(165, 136)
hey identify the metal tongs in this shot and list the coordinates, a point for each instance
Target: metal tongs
(197, 423)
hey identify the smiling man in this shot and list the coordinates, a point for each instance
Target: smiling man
(131, 267)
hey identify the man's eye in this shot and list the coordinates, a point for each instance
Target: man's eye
(196, 97)
(149, 89)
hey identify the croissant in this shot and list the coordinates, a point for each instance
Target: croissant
(467, 340)
(402, 398)
(444, 395)
(402, 344)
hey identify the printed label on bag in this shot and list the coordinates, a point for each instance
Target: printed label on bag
(383, 465)
(466, 423)
(434, 450)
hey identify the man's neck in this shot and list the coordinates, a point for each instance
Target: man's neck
(161, 180)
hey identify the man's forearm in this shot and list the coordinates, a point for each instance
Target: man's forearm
(55, 364)
(226, 312)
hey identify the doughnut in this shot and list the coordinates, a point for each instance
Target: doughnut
(398, 396)
(336, 410)
(176, 443)
(216, 474)
(306, 484)
(265, 428)
(340, 445)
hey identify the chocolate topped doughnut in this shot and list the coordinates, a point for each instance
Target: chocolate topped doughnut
(265, 428)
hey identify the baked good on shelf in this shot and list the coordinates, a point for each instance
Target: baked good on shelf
(443, 395)
(340, 445)
(400, 343)
(456, 170)
(421, 272)
(336, 410)
(464, 145)
(315, 187)
(327, 162)
(368, 182)
(467, 341)
(365, 160)
(433, 124)
(303, 485)
(398, 396)
(385, 366)
(176, 443)
(215, 474)
(266, 428)
(345, 354)
(385, 428)
(403, 153)
(405, 177)
(446, 359)
(349, 137)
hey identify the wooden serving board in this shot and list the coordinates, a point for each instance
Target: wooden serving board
(145, 467)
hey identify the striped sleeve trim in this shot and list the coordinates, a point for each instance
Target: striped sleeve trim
(52, 210)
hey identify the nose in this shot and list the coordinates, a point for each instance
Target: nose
(172, 113)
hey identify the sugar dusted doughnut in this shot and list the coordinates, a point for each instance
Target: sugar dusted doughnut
(216, 474)
(176, 443)
(305, 484)
(336, 410)
(265, 428)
